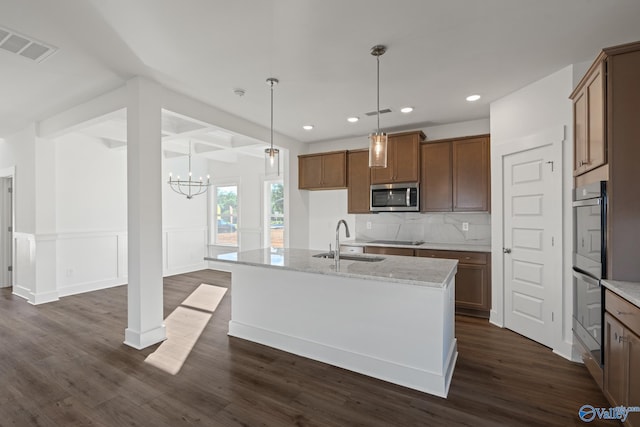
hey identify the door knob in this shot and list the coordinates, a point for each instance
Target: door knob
(506, 250)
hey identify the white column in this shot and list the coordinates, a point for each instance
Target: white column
(144, 214)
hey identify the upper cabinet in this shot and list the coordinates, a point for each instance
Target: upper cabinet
(455, 175)
(589, 121)
(359, 182)
(322, 171)
(436, 182)
(403, 159)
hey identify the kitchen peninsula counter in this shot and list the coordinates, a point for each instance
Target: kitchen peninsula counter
(391, 319)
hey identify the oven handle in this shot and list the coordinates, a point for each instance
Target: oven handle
(587, 202)
(590, 280)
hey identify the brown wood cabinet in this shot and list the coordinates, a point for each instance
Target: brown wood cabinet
(322, 171)
(358, 182)
(589, 120)
(455, 175)
(436, 177)
(385, 250)
(473, 287)
(403, 159)
(612, 132)
(622, 354)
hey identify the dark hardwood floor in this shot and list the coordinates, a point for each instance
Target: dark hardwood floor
(64, 364)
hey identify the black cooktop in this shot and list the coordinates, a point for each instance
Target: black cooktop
(397, 242)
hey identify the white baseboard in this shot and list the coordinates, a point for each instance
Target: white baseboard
(22, 292)
(81, 288)
(140, 340)
(408, 376)
(186, 269)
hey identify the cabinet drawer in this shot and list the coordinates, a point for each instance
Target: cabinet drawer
(623, 310)
(463, 257)
(384, 250)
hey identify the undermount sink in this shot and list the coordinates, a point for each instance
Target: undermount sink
(350, 257)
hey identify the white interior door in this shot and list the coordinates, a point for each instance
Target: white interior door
(532, 214)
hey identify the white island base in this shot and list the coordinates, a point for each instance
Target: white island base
(398, 332)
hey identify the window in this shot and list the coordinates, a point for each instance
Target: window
(225, 224)
(274, 209)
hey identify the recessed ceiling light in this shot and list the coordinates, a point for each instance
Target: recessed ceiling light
(353, 119)
(307, 127)
(406, 110)
(472, 98)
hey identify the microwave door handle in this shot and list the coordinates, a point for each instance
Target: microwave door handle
(408, 197)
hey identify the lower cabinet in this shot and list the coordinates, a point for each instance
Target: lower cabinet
(473, 287)
(622, 354)
(473, 280)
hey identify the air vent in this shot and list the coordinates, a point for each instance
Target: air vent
(374, 113)
(24, 46)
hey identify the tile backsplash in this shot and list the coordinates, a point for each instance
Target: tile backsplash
(429, 227)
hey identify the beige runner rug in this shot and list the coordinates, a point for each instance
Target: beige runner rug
(184, 326)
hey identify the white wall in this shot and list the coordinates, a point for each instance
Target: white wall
(537, 107)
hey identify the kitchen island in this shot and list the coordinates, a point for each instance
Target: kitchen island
(391, 319)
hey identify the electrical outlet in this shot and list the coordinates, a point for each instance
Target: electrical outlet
(465, 226)
(368, 225)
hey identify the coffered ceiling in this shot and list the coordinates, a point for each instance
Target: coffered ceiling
(439, 51)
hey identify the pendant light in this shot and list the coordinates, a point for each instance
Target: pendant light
(189, 187)
(378, 140)
(272, 155)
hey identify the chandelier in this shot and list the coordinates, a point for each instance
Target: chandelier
(188, 187)
(378, 140)
(272, 155)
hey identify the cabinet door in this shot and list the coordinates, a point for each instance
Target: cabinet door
(471, 175)
(406, 158)
(383, 250)
(580, 133)
(385, 175)
(309, 172)
(472, 287)
(596, 149)
(358, 188)
(614, 361)
(334, 170)
(436, 191)
(633, 352)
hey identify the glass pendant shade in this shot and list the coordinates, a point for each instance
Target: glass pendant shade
(378, 150)
(272, 162)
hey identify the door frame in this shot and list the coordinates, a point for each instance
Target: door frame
(10, 172)
(555, 138)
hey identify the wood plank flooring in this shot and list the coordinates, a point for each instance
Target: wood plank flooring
(64, 364)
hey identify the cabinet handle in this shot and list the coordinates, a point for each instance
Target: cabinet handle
(467, 257)
(622, 339)
(623, 313)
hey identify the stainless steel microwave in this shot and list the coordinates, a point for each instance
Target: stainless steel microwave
(403, 197)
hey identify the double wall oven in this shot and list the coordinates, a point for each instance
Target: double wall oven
(589, 266)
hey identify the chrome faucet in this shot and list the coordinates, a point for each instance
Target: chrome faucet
(336, 254)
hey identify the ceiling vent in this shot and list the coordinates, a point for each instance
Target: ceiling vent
(24, 46)
(374, 113)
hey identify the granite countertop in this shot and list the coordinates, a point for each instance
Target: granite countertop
(627, 290)
(401, 269)
(424, 245)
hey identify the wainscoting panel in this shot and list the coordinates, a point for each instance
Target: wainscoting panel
(88, 261)
(185, 250)
(24, 271)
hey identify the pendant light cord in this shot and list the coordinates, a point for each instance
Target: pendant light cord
(378, 83)
(271, 152)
